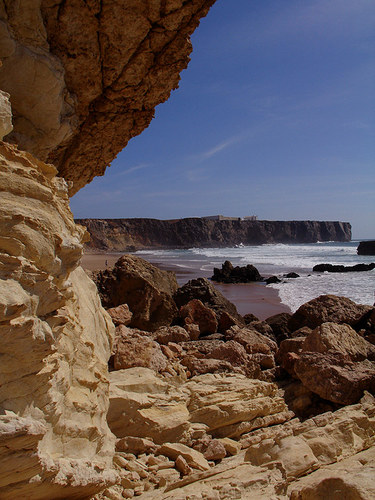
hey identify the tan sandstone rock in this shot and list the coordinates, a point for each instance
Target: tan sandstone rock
(5, 115)
(55, 341)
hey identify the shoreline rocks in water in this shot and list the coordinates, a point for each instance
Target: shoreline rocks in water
(343, 269)
(230, 274)
(366, 248)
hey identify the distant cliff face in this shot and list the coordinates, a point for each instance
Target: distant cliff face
(122, 234)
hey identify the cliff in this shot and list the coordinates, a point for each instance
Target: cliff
(124, 234)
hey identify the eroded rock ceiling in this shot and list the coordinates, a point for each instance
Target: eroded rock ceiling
(85, 76)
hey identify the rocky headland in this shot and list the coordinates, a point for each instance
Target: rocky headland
(174, 395)
(123, 235)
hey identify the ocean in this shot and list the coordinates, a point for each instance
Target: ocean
(279, 259)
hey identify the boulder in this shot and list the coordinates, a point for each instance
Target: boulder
(333, 361)
(132, 349)
(272, 279)
(175, 334)
(251, 339)
(211, 356)
(205, 291)
(145, 288)
(195, 312)
(146, 406)
(194, 458)
(230, 274)
(327, 308)
(341, 339)
(366, 248)
(120, 315)
(334, 377)
(291, 275)
(215, 450)
(279, 325)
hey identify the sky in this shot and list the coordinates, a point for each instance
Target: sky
(274, 117)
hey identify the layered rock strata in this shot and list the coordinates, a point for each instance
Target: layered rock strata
(85, 77)
(55, 341)
(122, 235)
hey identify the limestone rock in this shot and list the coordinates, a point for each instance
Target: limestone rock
(195, 459)
(121, 315)
(334, 377)
(97, 71)
(145, 288)
(5, 115)
(194, 312)
(132, 349)
(205, 291)
(144, 405)
(166, 334)
(55, 342)
(327, 308)
(252, 340)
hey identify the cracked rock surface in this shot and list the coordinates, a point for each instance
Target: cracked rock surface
(85, 77)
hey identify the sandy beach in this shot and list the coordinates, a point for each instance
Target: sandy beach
(255, 298)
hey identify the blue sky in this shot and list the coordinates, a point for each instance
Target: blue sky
(274, 116)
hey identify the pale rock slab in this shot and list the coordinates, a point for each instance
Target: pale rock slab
(55, 340)
(5, 114)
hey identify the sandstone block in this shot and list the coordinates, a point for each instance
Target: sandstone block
(194, 458)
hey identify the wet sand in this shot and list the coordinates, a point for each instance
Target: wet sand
(255, 298)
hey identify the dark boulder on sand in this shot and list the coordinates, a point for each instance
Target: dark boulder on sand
(205, 291)
(145, 288)
(230, 274)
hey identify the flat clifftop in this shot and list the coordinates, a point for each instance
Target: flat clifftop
(130, 234)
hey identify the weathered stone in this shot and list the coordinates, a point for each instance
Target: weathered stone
(120, 315)
(366, 248)
(136, 445)
(327, 308)
(175, 334)
(97, 71)
(231, 447)
(55, 342)
(131, 349)
(342, 339)
(215, 450)
(334, 377)
(279, 325)
(5, 115)
(144, 405)
(195, 312)
(182, 466)
(205, 291)
(252, 340)
(145, 288)
(194, 458)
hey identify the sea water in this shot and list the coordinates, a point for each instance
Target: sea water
(279, 259)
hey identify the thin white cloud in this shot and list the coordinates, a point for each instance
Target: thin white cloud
(130, 170)
(221, 146)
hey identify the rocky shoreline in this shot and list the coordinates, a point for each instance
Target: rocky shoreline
(192, 350)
